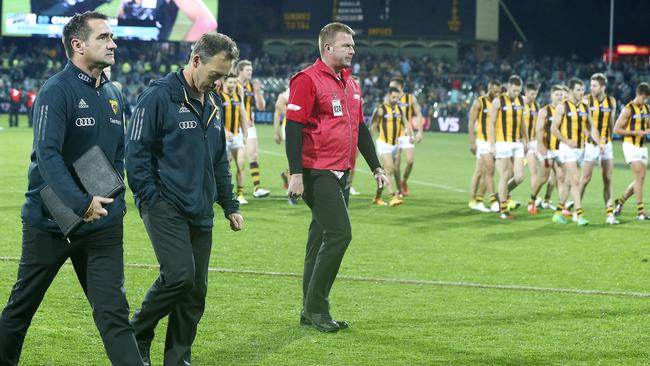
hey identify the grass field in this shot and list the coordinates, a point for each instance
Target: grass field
(426, 283)
(182, 25)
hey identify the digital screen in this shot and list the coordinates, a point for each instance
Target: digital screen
(382, 18)
(151, 20)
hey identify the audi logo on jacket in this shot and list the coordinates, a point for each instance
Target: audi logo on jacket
(71, 115)
(331, 109)
(176, 151)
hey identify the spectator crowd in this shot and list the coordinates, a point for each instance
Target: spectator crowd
(443, 88)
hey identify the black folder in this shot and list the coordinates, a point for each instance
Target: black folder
(98, 177)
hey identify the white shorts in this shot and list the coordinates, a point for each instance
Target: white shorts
(635, 153)
(507, 150)
(252, 133)
(384, 148)
(569, 155)
(550, 155)
(482, 148)
(404, 142)
(532, 147)
(592, 152)
(236, 142)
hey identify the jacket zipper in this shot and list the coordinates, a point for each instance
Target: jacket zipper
(205, 132)
(347, 110)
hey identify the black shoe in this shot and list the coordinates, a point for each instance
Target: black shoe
(144, 347)
(304, 321)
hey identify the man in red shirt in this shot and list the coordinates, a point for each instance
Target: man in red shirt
(29, 103)
(324, 126)
(15, 96)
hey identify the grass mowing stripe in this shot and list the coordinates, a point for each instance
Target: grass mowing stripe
(404, 281)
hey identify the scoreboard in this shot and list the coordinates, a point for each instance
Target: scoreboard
(382, 18)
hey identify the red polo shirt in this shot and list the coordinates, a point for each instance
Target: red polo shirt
(15, 95)
(330, 107)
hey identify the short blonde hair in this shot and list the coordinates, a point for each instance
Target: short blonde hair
(329, 32)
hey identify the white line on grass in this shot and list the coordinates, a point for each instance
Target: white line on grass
(422, 183)
(404, 281)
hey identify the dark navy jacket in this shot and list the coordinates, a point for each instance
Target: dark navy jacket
(70, 116)
(176, 150)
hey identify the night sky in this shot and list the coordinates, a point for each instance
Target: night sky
(580, 27)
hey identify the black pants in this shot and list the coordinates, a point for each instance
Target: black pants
(30, 119)
(329, 235)
(98, 261)
(183, 252)
(13, 115)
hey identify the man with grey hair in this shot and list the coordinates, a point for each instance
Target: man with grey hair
(177, 167)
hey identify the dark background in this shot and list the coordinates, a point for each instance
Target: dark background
(578, 28)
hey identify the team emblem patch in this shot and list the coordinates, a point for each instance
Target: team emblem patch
(114, 106)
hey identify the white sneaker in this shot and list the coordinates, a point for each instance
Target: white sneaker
(548, 205)
(642, 216)
(538, 202)
(354, 192)
(568, 205)
(242, 200)
(611, 220)
(478, 206)
(494, 207)
(261, 192)
(575, 217)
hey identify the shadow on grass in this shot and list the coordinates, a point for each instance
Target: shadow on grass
(260, 345)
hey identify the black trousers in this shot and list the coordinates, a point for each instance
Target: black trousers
(183, 252)
(13, 115)
(30, 119)
(329, 235)
(98, 261)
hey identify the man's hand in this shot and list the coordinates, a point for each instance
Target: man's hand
(96, 209)
(472, 147)
(381, 178)
(296, 189)
(277, 137)
(571, 144)
(229, 136)
(257, 85)
(493, 149)
(418, 137)
(236, 221)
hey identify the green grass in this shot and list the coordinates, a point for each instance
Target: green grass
(252, 318)
(182, 25)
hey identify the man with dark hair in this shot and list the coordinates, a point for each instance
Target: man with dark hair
(76, 109)
(29, 103)
(389, 118)
(546, 150)
(324, 127)
(409, 104)
(507, 131)
(253, 98)
(235, 121)
(530, 119)
(15, 98)
(602, 108)
(634, 125)
(479, 144)
(571, 123)
(177, 118)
